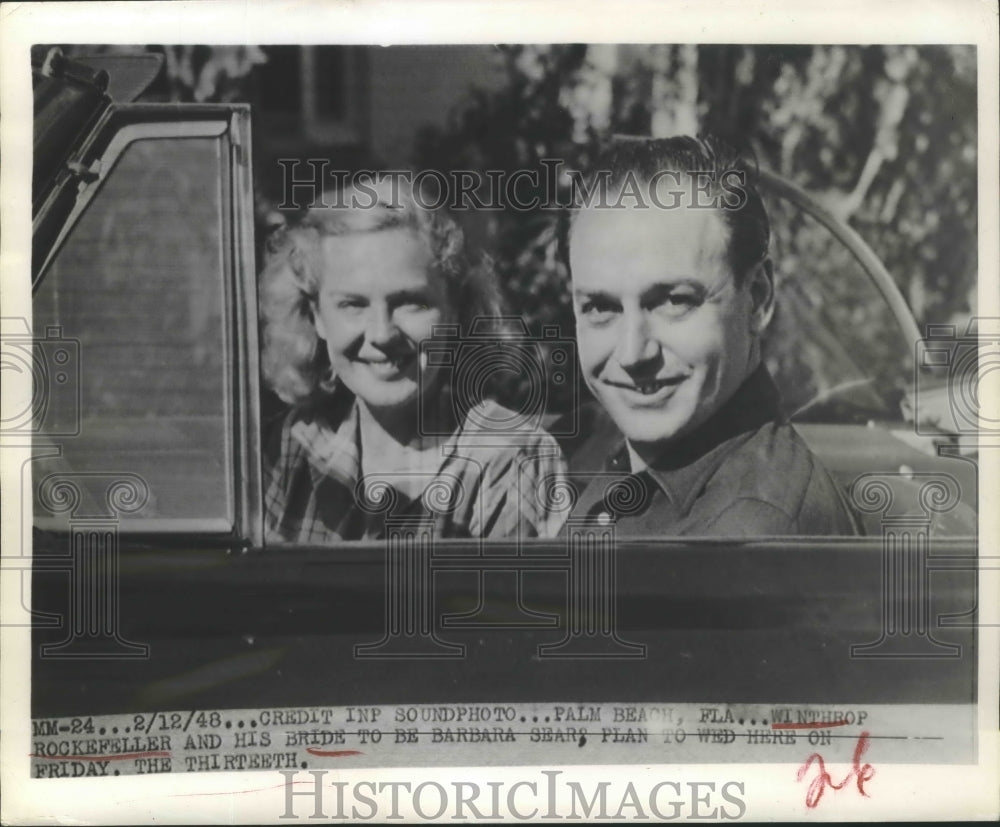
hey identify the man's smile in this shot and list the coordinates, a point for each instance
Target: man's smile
(651, 391)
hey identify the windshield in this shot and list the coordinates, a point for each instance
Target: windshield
(834, 346)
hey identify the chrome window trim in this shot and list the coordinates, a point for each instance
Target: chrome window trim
(109, 158)
(241, 372)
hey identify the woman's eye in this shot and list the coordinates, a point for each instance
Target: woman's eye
(596, 311)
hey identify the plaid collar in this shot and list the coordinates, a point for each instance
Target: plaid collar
(330, 438)
(331, 446)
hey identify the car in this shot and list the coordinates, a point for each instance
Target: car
(154, 589)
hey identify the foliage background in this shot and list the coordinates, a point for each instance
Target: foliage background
(883, 136)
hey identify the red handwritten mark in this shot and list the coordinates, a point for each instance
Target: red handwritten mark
(814, 725)
(860, 773)
(336, 753)
(124, 756)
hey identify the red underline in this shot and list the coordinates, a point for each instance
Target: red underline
(124, 756)
(337, 753)
(814, 725)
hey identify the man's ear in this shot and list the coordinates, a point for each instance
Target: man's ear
(760, 283)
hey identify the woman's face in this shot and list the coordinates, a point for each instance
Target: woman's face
(378, 300)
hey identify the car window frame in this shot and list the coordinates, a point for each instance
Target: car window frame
(122, 124)
(119, 127)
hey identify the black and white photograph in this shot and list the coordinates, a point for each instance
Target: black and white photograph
(404, 422)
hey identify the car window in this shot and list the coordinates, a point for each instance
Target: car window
(136, 297)
(834, 346)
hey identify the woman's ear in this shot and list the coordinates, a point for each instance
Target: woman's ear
(317, 318)
(761, 287)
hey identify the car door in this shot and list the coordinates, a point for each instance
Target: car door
(144, 317)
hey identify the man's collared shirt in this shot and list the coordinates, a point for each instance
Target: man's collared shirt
(742, 473)
(486, 484)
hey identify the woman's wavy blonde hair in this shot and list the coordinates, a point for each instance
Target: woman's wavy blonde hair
(294, 362)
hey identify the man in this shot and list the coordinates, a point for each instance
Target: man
(672, 292)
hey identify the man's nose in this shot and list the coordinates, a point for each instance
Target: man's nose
(381, 329)
(636, 345)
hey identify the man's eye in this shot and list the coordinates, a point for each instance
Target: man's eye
(678, 303)
(416, 305)
(350, 304)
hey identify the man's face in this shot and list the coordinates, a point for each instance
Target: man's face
(379, 299)
(665, 335)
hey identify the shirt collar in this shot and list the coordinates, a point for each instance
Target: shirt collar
(682, 468)
(330, 438)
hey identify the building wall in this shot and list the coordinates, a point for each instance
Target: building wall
(414, 86)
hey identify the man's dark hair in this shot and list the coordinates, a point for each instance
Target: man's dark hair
(712, 161)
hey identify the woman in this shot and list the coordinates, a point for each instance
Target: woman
(375, 431)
